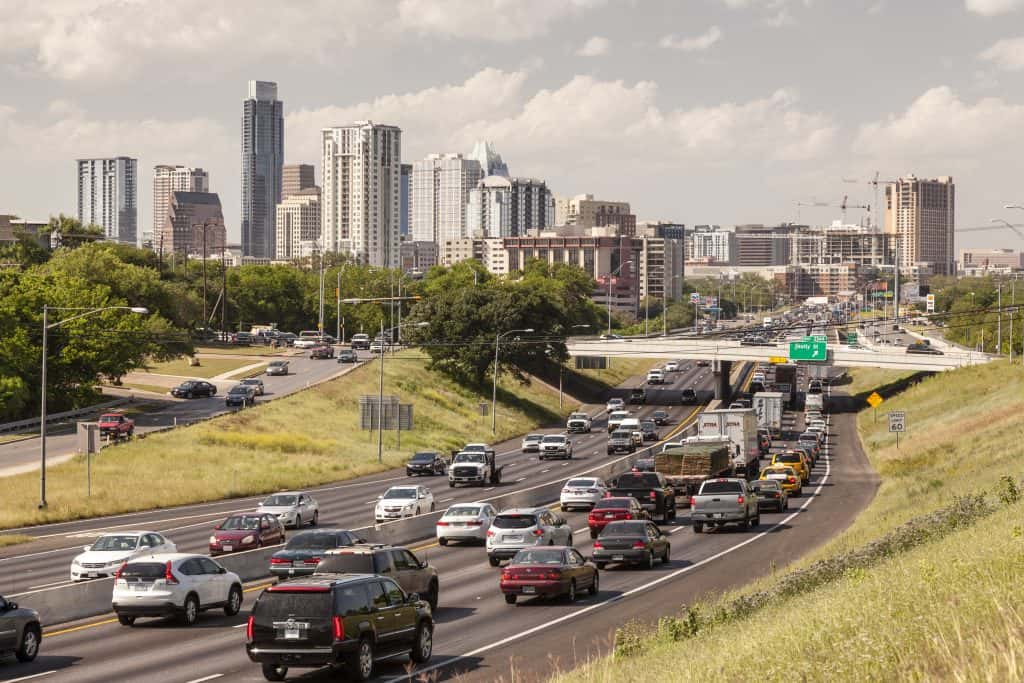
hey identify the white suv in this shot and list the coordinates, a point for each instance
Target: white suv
(174, 585)
(518, 528)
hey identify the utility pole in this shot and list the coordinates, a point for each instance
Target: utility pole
(224, 287)
(337, 296)
(999, 320)
(320, 323)
(380, 402)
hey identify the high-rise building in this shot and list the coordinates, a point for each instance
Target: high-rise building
(586, 212)
(295, 178)
(760, 246)
(489, 160)
(921, 214)
(189, 215)
(711, 244)
(509, 207)
(405, 201)
(168, 179)
(441, 184)
(108, 195)
(362, 191)
(298, 223)
(992, 259)
(262, 166)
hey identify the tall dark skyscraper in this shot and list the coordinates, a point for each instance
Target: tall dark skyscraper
(262, 163)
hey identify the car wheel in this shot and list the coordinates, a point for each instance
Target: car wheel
(756, 522)
(190, 610)
(568, 540)
(667, 555)
(424, 644)
(125, 620)
(432, 595)
(600, 565)
(698, 527)
(275, 672)
(564, 508)
(298, 521)
(595, 584)
(234, 603)
(29, 644)
(431, 507)
(316, 518)
(572, 591)
(494, 561)
(361, 661)
(442, 541)
(649, 560)
(188, 395)
(593, 534)
(510, 599)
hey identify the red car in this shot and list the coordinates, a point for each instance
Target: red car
(613, 510)
(245, 532)
(550, 571)
(116, 426)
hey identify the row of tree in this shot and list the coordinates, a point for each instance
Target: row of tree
(969, 309)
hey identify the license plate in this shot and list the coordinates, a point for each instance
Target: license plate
(141, 587)
(93, 575)
(617, 558)
(609, 516)
(291, 634)
(529, 589)
(513, 539)
(227, 548)
(718, 515)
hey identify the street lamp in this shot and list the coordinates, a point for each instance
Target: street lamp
(610, 276)
(664, 304)
(494, 391)
(380, 394)
(561, 367)
(47, 325)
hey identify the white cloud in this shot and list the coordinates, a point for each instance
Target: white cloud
(991, 8)
(488, 20)
(693, 44)
(1006, 54)
(594, 47)
(939, 124)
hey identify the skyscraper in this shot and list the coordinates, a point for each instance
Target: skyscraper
(168, 179)
(189, 216)
(295, 178)
(262, 162)
(361, 171)
(108, 196)
(489, 160)
(440, 191)
(405, 199)
(509, 207)
(921, 213)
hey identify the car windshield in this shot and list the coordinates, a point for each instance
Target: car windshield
(281, 605)
(251, 382)
(764, 485)
(578, 416)
(515, 521)
(463, 511)
(470, 457)
(721, 487)
(539, 556)
(241, 523)
(423, 458)
(239, 390)
(635, 481)
(187, 385)
(312, 540)
(647, 425)
(534, 437)
(614, 504)
(660, 413)
(625, 529)
(581, 483)
(280, 501)
(400, 493)
(278, 363)
(553, 439)
(115, 543)
(475, 447)
(787, 457)
(620, 435)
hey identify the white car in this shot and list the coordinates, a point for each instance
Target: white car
(174, 585)
(555, 446)
(582, 492)
(531, 443)
(672, 366)
(518, 528)
(615, 419)
(293, 508)
(465, 522)
(656, 376)
(399, 502)
(305, 343)
(615, 404)
(108, 552)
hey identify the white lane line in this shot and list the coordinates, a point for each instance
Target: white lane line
(629, 593)
(28, 678)
(242, 625)
(520, 479)
(565, 464)
(445, 500)
(206, 678)
(489, 489)
(581, 531)
(369, 502)
(543, 471)
(55, 583)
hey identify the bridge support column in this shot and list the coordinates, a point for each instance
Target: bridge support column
(722, 389)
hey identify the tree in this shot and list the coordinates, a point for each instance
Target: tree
(71, 233)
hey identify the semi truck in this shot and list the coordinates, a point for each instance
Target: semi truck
(739, 425)
(785, 383)
(768, 408)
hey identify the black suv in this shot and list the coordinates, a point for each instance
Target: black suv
(426, 462)
(688, 397)
(333, 619)
(393, 562)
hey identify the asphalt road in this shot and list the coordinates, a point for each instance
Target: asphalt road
(62, 442)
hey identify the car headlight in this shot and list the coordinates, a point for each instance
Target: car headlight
(248, 539)
(213, 539)
(115, 563)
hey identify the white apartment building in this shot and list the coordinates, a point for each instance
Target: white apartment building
(921, 213)
(108, 194)
(509, 207)
(711, 244)
(661, 268)
(168, 179)
(297, 224)
(440, 189)
(361, 200)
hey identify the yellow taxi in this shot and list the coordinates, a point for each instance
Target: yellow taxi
(798, 461)
(787, 477)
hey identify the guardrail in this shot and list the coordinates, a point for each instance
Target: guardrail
(58, 417)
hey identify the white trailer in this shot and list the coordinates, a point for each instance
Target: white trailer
(739, 425)
(767, 406)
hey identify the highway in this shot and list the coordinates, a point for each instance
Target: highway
(478, 636)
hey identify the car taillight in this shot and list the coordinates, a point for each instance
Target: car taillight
(120, 570)
(553, 576)
(440, 523)
(474, 522)
(490, 532)
(654, 494)
(639, 545)
(628, 515)
(312, 560)
(506, 573)
(791, 480)
(248, 628)
(278, 560)
(739, 499)
(537, 532)
(339, 628)
(598, 545)
(693, 501)
(169, 576)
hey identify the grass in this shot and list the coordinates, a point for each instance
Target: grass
(144, 387)
(209, 367)
(253, 372)
(950, 607)
(229, 350)
(866, 380)
(309, 438)
(14, 539)
(7, 438)
(619, 370)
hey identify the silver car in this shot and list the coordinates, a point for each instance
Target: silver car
(277, 367)
(292, 508)
(20, 631)
(531, 443)
(518, 528)
(465, 522)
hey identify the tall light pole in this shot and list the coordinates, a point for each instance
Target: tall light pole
(47, 326)
(664, 305)
(610, 276)
(380, 394)
(494, 390)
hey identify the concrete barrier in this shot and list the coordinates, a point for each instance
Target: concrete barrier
(70, 602)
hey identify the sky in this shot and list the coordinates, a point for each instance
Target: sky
(695, 111)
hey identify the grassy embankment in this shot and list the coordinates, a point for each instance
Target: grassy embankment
(310, 438)
(925, 585)
(209, 367)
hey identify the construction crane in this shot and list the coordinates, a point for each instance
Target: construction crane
(813, 202)
(842, 206)
(874, 184)
(1003, 225)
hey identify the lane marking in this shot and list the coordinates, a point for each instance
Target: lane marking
(30, 677)
(206, 678)
(55, 583)
(79, 628)
(261, 586)
(244, 623)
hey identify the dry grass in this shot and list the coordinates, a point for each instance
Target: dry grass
(951, 609)
(309, 438)
(14, 539)
(145, 387)
(228, 350)
(869, 379)
(210, 367)
(253, 372)
(620, 369)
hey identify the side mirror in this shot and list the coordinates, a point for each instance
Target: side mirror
(413, 598)
(12, 605)
(380, 497)
(222, 570)
(86, 547)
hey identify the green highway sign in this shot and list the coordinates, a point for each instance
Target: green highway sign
(808, 348)
(851, 337)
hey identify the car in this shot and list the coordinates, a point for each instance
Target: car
(614, 404)
(245, 531)
(348, 356)
(770, 495)
(286, 338)
(194, 388)
(555, 446)
(688, 397)
(703, 363)
(334, 628)
(660, 417)
(583, 492)
(672, 366)
(809, 451)
(813, 439)
(798, 461)
(620, 441)
(518, 528)
(758, 377)
(579, 423)
(638, 395)
(108, 552)
(631, 542)
(243, 338)
(277, 367)
(116, 425)
(426, 462)
(615, 419)
(764, 441)
(174, 585)
(394, 562)
(643, 465)
(465, 522)
(788, 478)
(531, 443)
(305, 343)
(656, 376)
(548, 572)
(377, 346)
(303, 551)
(403, 501)
(924, 347)
(255, 382)
(20, 631)
(240, 395)
(814, 387)
(292, 508)
(321, 352)
(609, 510)
(649, 430)
(360, 341)
(610, 337)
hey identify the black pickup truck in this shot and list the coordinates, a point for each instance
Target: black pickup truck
(651, 490)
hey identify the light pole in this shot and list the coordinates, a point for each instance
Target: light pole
(664, 305)
(380, 394)
(47, 325)
(610, 276)
(206, 225)
(494, 390)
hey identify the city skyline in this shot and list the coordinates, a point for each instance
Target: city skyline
(685, 138)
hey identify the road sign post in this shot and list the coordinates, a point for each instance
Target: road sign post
(874, 400)
(897, 424)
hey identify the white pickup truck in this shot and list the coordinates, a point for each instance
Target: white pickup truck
(578, 423)
(724, 501)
